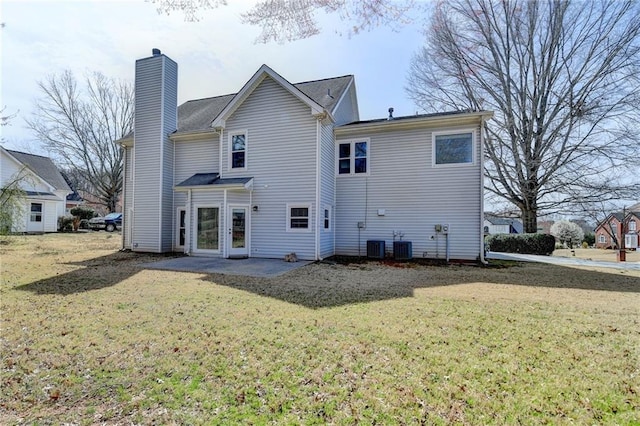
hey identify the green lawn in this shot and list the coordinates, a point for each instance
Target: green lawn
(89, 336)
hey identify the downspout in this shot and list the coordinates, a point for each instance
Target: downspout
(318, 164)
(481, 162)
(124, 195)
(220, 155)
(225, 239)
(187, 225)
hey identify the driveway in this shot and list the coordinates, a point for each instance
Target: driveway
(252, 267)
(563, 261)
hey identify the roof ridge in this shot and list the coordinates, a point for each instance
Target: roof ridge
(323, 79)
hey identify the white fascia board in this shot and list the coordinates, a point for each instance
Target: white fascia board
(263, 72)
(193, 136)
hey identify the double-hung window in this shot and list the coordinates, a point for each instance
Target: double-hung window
(238, 150)
(453, 148)
(298, 217)
(36, 212)
(353, 157)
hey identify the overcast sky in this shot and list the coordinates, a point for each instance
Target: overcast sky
(215, 56)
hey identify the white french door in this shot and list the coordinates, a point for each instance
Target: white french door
(238, 231)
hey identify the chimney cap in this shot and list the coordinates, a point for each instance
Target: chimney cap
(390, 114)
(155, 51)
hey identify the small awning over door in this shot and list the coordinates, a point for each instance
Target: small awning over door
(213, 180)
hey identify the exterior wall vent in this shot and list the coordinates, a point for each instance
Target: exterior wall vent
(402, 250)
(375, 249)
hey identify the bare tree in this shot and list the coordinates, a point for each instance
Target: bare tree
(79, 127)
(12, 198)
(288, 20)
(5, 120)
(563, 79)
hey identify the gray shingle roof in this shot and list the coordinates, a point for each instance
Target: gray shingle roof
(43, 167)
(325, 92)
(198, 114)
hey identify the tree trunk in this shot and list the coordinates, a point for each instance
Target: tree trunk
(530, 220)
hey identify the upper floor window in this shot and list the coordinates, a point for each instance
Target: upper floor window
(602, 239)
(353, 157)
(453, 148)
(238, 150)
(632, 225)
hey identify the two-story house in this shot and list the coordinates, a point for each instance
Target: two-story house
(609, 231)
(279, 168)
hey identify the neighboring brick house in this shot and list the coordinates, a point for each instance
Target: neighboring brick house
(609, 230)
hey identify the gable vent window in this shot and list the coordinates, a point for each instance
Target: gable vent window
(353, 157)
(239, 151)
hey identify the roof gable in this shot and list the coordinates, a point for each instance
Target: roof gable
(253, 83)
(43, 168)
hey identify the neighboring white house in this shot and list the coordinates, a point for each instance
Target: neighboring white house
(280, 167)
(501, 225)
(44, 187)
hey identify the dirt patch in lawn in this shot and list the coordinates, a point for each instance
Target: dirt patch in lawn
(90, 336)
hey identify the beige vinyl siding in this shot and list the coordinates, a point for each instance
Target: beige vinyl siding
(155, 106)
(415, 197)
(327, 190)
(281, 150)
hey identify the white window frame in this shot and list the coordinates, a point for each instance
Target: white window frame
(194, 229)
(474, 147)
(246, 149)
(352, 157)
(325, 218)
(602, 239)
(309, 227)
(36, 214)
(632, 225)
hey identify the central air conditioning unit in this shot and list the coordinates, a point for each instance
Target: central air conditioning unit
(402, 250)
(375, 249)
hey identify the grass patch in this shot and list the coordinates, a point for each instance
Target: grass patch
(88, 336)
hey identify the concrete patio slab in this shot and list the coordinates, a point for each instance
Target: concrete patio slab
(251, 267)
